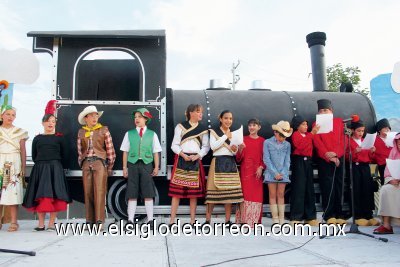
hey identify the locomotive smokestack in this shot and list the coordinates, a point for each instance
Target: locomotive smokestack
(316, 43)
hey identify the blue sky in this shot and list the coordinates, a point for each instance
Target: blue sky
(205, 37)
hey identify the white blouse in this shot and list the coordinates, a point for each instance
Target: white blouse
(189, 146)
(218, 147)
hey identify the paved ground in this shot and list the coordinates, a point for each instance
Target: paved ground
(51, 249)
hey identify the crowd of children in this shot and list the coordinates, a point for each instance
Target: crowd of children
(262, 161)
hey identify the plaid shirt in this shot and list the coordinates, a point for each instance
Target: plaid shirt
(90, 152)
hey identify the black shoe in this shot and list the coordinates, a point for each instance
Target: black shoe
(228, 224)
(39, 229)
(207, 223)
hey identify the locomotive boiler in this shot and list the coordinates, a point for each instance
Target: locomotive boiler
(120, 71)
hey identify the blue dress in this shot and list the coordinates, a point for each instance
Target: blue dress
(277, 159)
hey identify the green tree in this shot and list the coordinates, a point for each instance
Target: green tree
(337, 74)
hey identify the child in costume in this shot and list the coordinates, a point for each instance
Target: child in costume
(302, 200)
(190, 144)
(277, 159)
(12, 165)
(250, 156)
(362, 180)
(96, 156)
(47, 189)
(382, 149)
(140, 160)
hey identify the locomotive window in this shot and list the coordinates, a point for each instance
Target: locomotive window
(108, 75)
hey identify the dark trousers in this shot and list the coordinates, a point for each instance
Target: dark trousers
(381, 169)
(363, 191)
(302, 200)
(331, 181)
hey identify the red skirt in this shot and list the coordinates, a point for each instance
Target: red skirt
(187, 192)
(47, 204)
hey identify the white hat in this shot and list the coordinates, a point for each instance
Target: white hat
(283, 127)
(86, 111)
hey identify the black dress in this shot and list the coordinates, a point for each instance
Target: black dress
(47, 189)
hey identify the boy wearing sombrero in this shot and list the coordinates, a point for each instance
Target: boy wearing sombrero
(140, 148)
(96, 156)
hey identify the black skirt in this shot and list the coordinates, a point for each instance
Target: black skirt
(47, 180)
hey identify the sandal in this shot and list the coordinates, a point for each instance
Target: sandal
(13, 227)
(1, 225)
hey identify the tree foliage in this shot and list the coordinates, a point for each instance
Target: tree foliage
(337, 74)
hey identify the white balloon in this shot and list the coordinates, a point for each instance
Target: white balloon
(395, 78)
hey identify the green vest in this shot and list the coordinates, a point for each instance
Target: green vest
(140, 148)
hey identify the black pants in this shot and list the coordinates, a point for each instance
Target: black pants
(302, 200)
(381, 169)
(363, 191)
(331, 196)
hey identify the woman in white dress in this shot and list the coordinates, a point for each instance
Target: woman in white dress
(12, 165)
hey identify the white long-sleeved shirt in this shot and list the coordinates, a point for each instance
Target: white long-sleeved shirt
(189, 146)
(217, 145)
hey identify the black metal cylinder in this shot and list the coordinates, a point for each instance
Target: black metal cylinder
(316, 43)
(268, 106)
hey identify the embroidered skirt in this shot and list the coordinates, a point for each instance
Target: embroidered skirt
(187, 179)
(223, 183)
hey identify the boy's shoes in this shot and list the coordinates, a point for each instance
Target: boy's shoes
(313, 222)
(382, 230)
(39, 229)
(51, 229)
(362, 222)
(373, 222)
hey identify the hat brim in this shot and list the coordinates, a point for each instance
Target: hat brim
(82, 115)
(280, 130)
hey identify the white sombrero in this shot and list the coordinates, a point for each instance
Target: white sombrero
(86, 111)
(283, 127)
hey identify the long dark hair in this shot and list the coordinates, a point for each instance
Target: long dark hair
(222, 115)
(191, 108)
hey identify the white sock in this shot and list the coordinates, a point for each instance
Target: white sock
(131, 209)
(149, 209)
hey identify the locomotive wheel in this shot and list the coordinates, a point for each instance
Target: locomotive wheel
(117, 204)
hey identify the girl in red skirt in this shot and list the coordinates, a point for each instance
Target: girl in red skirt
(190, 144)
(47, 189)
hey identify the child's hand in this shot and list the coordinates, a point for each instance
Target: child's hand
(194, 157)
(335, 160)
(109, 171)
(185, 157)
(330, 155)
(394, 182)
(278, 177)
(234, 148)
(373, 149)
(241, 147)
(125, 172)
(259, 172)
(155, 172)
(358, 149)
(315, 129)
